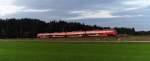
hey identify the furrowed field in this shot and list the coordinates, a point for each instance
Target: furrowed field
(32, 50)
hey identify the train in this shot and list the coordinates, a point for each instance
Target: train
(92, 33)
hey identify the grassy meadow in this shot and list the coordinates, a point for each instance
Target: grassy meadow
(47, 50)
(42, 50)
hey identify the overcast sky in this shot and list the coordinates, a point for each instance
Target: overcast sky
(120, 13)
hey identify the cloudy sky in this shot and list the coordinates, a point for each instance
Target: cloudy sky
(120, 13)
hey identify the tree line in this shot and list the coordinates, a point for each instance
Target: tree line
(29, 28)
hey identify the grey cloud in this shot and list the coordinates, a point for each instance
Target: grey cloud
(62, 8)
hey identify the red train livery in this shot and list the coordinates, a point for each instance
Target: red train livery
(93, 33)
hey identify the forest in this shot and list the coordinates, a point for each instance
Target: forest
(29, 28)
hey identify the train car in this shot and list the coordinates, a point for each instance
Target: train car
(102, 33)
(92, 33)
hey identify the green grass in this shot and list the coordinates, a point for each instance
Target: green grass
(46, 51)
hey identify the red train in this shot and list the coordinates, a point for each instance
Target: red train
(93, 33)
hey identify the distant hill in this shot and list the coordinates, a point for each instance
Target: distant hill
(28, 28)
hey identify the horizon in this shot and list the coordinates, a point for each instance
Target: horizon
(106, 13)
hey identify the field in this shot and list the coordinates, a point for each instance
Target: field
(32, 50)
